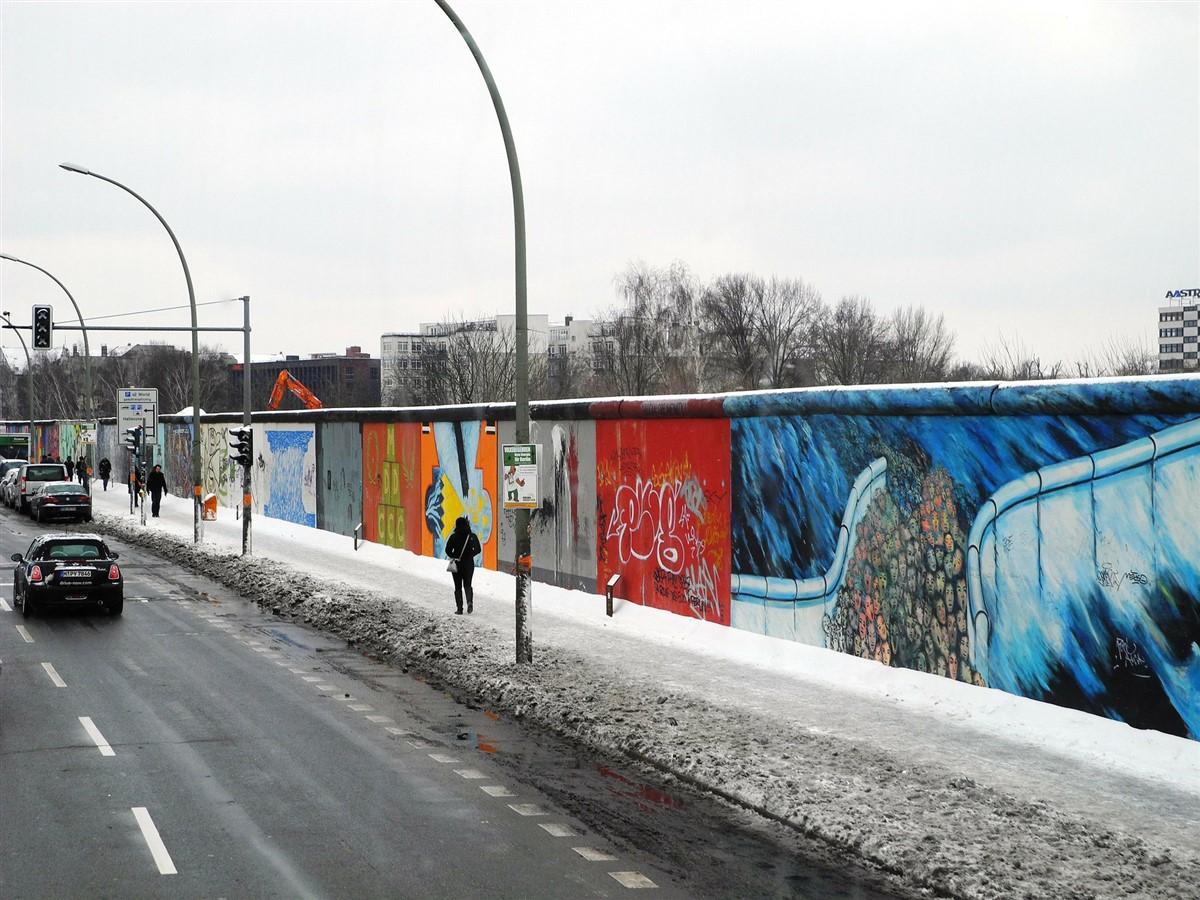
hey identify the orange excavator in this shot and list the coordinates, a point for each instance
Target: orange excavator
(288, 382)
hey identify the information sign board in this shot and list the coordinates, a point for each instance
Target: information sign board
(137, 406)
(520, 476)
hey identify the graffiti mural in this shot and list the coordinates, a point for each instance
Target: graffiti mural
(392, 500)
(219, 474)
(177, 447)
(458, 470)
(991, 551)
(340, 479)
(285, 473)
(663, 513)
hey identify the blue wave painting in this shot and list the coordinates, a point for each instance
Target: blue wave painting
(288, 450)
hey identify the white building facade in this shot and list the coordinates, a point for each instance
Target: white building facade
(1179, 332)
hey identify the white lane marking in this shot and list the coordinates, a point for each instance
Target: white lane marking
(442, 758)
(379, 720)
(470, 774)
(325, 687)
(24, 634)
(94, 733)
(311, 678)
(158, 849)
(527, 809)
(554, 829)
(361, 707)
(593, 855)
(496, 790)
(54, 676)
(132, 666)
(296, 671)
(4, 605)
(419, 745)
(633, 880)
(349, 698)
(279, 662)
(261, 649)
(399, 732)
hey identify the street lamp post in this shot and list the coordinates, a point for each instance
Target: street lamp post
(524, 632)
(28, 372)
(90, 407)
(195, 342)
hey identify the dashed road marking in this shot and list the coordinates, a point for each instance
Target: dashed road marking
(591, 854)
(419, 745)
(54, 676)
(399, 732)
(442, 758)
(361, 707)
(25, 635)
(379, 720)
(311, 679)
(527, 809)
(154, 841)
(496, 790)
(325, 687)
(633, 880)
(295, 671)
(94, 733)
(4, 607)
(259, 648)
(554, 829)
(469, 774)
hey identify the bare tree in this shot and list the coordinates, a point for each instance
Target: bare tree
(850, 343)
(789, 315)
(1118, 357)
(473, 362)
(920, 347)
(729, 322)
(1009, 360)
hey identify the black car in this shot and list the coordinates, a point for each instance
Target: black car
(62, 500)
(68, 569)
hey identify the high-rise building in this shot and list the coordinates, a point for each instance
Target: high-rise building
(1179, 331)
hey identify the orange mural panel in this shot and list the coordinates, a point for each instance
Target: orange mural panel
(458, 478)
(662, 492)
(392, 502)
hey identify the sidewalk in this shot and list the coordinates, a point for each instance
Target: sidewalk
(836, 729)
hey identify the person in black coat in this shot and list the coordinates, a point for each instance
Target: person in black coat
(462, 548)
(156, 484)
(70, 464)
(105, 471)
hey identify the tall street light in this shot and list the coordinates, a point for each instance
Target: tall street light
(195, 342)
(29, 372)
(90, 407)
(524, 555)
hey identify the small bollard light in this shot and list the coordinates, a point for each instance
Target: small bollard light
(357, 532)
(608, 594)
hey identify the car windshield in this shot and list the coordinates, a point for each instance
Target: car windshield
(64, 488)
(51, 472)
(74, 550)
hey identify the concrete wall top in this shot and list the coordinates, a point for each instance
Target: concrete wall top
(1153, 394)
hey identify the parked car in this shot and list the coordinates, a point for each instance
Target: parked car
(6, 464)
(8, 488)
(31, 473)
(60, 499)
(67, 569)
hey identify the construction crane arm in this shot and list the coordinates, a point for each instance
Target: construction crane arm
(288, 382)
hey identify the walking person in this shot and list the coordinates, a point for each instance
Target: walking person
(81, 470)
(70, 464)
(157, 485)
(105, 471)
(461, 550)
(135, 483)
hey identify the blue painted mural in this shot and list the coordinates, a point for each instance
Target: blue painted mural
(291, 483)
(1113, 630)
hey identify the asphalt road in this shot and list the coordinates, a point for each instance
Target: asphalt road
(195, 747)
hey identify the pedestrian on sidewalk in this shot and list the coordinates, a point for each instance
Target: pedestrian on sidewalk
(105, 471)
(461, 550)
(157, 485)
(135, 483)
(81, 470)
(70, 464)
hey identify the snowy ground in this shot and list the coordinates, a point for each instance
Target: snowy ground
(957, 790)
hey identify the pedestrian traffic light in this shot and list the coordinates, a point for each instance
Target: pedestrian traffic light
(43, 326)
(241, 446)
(133, 439)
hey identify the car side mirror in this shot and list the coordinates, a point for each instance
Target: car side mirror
(16, 557)
(114, 556)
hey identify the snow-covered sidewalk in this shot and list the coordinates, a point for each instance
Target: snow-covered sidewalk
(966, 790)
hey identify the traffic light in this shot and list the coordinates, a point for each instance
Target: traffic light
(43, 326)
(241, 446)
(133, 439)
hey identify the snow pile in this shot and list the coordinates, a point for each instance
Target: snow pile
(768, 739)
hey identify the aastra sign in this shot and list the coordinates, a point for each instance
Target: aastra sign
(1186, 292)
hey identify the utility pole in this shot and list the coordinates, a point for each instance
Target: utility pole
(29, 375)
(247, 480)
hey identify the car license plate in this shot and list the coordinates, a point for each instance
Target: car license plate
(76, 573)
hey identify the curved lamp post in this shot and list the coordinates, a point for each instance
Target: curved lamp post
(195, 342)
(28, 372)
(87, 353)
(524, 556)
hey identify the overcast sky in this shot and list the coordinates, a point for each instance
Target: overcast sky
(1028, 170)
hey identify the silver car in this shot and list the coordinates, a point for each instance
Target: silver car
(8, 488)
